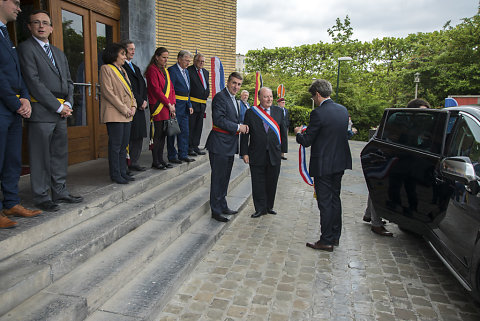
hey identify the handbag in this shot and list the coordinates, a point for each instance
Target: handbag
(171, 127)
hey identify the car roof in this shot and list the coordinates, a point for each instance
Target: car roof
(471, 109)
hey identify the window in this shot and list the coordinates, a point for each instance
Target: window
(466, 141)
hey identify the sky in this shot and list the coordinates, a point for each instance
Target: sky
(286, 23)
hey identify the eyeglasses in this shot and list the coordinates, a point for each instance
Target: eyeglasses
(40, 23)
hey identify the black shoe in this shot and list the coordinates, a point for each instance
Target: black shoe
(137, 168)
(271, 211)
(187, 160)
(120, 180)
(48, 206)
(167, 165)
(69, 199)
(368, 220)
(192, 153)
(199, 152)
(158, 166)
(129, 173)
(220, 218)
(284, 158)
(229, 212)
(175, 161)
(257, 214)
(128, 178)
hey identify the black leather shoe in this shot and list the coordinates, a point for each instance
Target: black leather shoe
(120, 180)
(158, 166)
(319, 246)
(192, 153)
(128, 178)
(137, 168)
(167, 165)
(229, 212)
(380, 230)
(69, 199)
(187, 160)
(368, 220)
(271, 211)
(257, 214)
(199, 152)
(284, 158)
(175, 161)
(220, 218)
(48, 206)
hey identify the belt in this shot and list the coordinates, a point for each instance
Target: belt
(218, 129)
(197, 100)
(33, 100)
(181, 97)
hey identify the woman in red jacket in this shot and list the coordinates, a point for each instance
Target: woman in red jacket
(161, 97)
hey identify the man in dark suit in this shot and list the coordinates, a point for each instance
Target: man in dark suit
(222, 144)
(46, 73)
(14, 104)
(183, 108)
(244, 105)
(286, 117)
(138, 129)
(261, 148)
(329, 157)
(199, 92)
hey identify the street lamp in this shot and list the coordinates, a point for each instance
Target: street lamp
(338, 73)
(416, 80)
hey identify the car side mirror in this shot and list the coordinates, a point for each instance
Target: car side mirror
(460, 168)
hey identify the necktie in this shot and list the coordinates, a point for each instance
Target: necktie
(264, 123)
(6, 35)
(131, 66)
(201, 78)
(49, 53)
(185, 77)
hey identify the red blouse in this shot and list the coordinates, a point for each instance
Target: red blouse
(155, 83)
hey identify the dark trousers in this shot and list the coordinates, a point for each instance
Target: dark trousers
(264, 185)
(158, 142)
(48, 147)
(327, 189)
(182, 138)
(10, 158)
(118, 137)
(135, 150)
(221, 166)
(195, 123)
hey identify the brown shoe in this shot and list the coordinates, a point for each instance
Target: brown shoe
(5, 222)
(380, 230)
(320, 246)
(19, 210)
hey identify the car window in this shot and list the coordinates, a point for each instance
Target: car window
(466, 141)
(417, 129)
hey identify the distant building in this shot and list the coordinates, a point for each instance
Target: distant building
(466, 99)
(240, 63)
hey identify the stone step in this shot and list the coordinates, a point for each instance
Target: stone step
(145, 296)
(105, 273)
(35, 268)
(34, 230)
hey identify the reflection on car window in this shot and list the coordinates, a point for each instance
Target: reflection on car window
(420, 130)
(466, 142)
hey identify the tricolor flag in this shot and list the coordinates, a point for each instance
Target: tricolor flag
(218, 76)
(258, 85)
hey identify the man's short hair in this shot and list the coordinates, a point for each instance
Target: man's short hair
(198, 55)
(321, 86)
(244, 91)
(235, 75)
(260, 90)
(34, 12)
(126, 42)
(183, 53)
(417, 103)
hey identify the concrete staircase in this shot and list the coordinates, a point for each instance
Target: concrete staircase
(121, 254)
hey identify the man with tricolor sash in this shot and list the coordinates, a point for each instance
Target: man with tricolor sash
(329, 158)
(222, 144)
(261, 148)
(46, 72)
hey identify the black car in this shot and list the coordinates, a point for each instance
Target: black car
(422, 170)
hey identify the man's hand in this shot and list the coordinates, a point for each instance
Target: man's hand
(191, 110)
(297, 130)
(246, 160)
(25, 109)
(66, 111)
(144, 105)
(244, 129)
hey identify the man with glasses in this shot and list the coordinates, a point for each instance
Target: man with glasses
(47, 75)
(14, 105)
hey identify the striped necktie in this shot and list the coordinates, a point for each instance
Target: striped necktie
(49, 53)
(6, 35)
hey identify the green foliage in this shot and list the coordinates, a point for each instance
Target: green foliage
(298, 116)
(381, 73)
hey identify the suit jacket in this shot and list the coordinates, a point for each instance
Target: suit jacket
(181, 88)
(258, 141)
(225, 116)
(243, 109)
(46, 82)
(196, 88)
(139, 89)
(287, 118)
(327, 134)
(11, 81)
(116, 101)
(156, 83)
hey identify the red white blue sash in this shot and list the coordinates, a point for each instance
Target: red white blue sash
(302, 164)
(268, 120)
